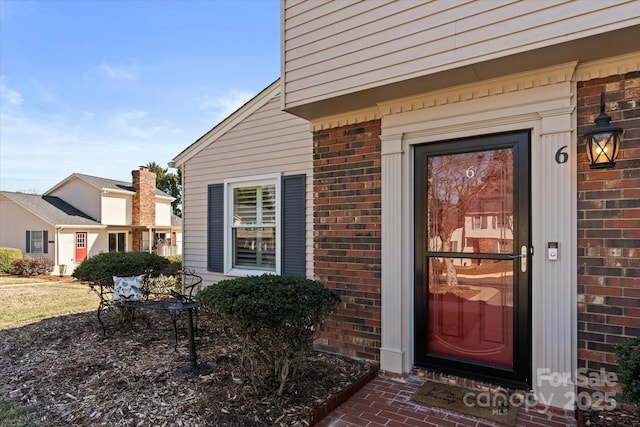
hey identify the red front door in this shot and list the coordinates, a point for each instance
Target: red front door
(81, 246)
(472, 279)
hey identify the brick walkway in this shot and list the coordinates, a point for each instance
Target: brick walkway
(387, 402)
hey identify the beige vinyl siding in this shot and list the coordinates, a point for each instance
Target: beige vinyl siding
(116, 209)
(335, 48)
(82, 196)
(267, 141)
(163, 213)
(15, 220)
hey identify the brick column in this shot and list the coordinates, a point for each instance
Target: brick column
(347, 220)
(608, 229)
(144, 205)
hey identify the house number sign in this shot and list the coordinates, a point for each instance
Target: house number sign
(470, 173)
(561, 155)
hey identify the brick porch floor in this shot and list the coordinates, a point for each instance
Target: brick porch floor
(387, 402)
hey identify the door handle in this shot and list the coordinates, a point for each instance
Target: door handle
(523, 255)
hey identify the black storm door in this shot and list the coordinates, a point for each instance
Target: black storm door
(472, 246)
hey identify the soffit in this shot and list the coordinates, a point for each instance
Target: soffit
(363, 105)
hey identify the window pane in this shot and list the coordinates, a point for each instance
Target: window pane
(254, 205)
(255, 248)
(36, 242)
(470, 202)
(121, 240)
(80, 240)
(116, 242)
(145, 241)
(471, 309)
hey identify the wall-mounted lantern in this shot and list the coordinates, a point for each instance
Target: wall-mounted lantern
(603, 142)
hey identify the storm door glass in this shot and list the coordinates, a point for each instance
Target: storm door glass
(470, 290)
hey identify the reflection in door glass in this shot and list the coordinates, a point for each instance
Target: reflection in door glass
(471, 317)
(470, 202)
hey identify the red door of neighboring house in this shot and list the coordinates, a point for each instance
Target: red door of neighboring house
(81, 246)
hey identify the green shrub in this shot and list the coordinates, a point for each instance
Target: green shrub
(119, 263)
(32, 266)
(7, 255)
(277, 317)
(629, 364)
(164, 284)
(175, 262)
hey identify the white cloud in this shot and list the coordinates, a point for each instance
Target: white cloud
(21, 131)
(44, 94)
(119, 71)
(34, 149)
(128, 122)
(136, 123)
(9, 94)
(224, 105)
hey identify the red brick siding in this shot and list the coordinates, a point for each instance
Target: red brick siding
(347, 245)
(144, 199)
(609, 227)
(143, 209)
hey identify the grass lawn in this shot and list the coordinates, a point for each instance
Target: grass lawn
(14, 415)
(29, 299)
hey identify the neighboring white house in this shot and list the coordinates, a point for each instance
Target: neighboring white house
(247, 193)
(85, 215)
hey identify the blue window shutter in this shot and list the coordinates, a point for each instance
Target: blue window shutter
(45, 241)
(293, 225)
(28, 244)
(215, 228)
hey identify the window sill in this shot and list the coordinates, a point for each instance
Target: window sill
(237, 272)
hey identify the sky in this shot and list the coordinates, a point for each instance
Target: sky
(101, 87)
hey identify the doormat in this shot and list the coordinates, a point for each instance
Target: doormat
(480, 404)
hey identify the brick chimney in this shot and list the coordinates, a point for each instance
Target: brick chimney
(144, 200)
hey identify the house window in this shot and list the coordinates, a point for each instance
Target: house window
(81, 240)
(37, 242)
(257, 225)
(254, 227)
(117, 242)
(476, 221)
(144, 244)
(252, 232)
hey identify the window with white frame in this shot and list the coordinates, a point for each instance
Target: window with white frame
(145, 243)
(253, 226)
(257, 224)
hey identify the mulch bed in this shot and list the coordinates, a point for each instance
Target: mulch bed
(605, 418)
(69, 374)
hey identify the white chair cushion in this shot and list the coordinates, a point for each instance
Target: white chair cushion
(127, 288)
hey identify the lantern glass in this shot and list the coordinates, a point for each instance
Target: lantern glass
(602, 149)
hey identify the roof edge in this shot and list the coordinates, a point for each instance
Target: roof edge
(228, 123)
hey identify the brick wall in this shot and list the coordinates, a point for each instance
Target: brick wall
(609, 228)
(143, 209)
(347, 242)
(144, 199)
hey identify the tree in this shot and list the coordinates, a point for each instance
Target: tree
(170, 183)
